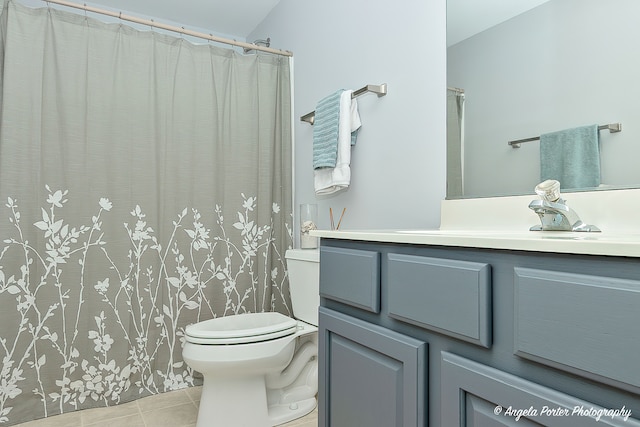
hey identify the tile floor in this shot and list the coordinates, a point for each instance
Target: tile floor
(172, 409)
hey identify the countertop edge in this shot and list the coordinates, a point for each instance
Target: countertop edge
(536, 242)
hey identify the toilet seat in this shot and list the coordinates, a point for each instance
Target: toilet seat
(241, 329)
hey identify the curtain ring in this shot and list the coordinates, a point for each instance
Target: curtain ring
(152, 22)
(86, 16)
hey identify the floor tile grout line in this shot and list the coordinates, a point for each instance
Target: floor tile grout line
(144, 422)
(190, 398)
(83, 424)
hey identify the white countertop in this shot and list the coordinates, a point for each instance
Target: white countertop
(504, 222)
(612, 244)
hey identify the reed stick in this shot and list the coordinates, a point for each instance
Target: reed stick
(331, 217)
(340, 220)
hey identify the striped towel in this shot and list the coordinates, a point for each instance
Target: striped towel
(331, 180)
(325, 131)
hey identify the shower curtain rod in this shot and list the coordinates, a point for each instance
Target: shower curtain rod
(611, 127)
(151, 23)
(455, 89)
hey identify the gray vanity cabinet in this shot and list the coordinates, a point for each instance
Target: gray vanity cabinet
(418, 335)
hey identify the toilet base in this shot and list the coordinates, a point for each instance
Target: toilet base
(224, 403)
(280, 414)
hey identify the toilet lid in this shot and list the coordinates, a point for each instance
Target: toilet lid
(241, 328)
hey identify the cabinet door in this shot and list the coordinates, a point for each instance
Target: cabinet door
(478, 395)
(369, 376)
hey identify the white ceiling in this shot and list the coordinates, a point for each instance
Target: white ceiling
(468, 17)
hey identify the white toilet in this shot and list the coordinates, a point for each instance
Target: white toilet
(260, 369)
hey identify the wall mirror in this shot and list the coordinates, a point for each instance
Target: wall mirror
(549, 66)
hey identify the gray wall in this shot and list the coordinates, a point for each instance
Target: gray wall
(398, 164)
(564, 64)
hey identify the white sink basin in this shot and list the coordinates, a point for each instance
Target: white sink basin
(533, 235)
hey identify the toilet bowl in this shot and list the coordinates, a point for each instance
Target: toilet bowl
(260, 369)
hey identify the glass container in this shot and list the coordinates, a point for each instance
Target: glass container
(308, 221)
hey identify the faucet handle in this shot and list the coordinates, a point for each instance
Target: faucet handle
(548, 190)
(553, 212)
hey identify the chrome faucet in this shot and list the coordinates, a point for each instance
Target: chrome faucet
(553, 211)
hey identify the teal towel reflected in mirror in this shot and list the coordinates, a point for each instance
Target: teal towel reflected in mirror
(571, 156)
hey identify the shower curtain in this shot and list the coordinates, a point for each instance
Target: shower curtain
(145, 184)
(455, 143)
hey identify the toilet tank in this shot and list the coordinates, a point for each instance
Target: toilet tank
(303, 266)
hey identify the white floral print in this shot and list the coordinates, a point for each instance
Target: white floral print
(87, 327)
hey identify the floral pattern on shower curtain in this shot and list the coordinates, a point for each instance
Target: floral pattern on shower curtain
(145, 184)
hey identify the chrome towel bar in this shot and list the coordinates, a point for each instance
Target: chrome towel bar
(380, 90)
(612, 128)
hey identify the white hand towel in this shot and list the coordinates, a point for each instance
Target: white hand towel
(332, 180)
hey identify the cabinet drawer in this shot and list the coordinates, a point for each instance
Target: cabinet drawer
(448, 296)
(587, 325)
(478, 395)
(351, 276)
